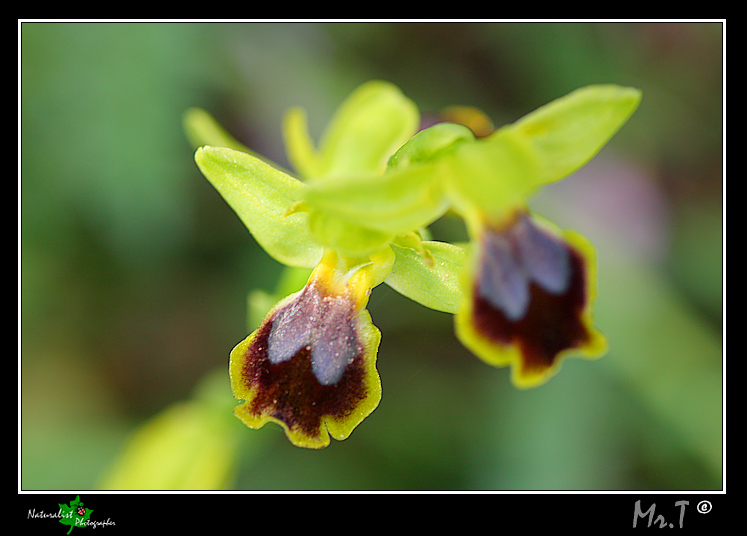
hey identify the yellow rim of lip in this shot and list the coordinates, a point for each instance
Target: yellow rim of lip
(499, 355)
(339, 428)
(357, 289)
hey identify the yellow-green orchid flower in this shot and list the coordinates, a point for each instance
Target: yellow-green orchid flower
(529, 288)
(522, 290)
(310, 366)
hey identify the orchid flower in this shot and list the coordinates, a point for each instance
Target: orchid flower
(355, 212)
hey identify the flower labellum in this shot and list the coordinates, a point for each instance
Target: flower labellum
(310, 366)
(514, 260)
(531, 300)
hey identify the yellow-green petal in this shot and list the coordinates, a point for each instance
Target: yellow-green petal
(300, 149)
(429, 144)
(202, 129)
(369, 126)
(430, 277)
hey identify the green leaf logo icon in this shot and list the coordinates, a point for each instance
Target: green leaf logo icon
(74, 515)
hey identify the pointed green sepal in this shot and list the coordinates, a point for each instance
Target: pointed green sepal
(497, 173)
(262, 196)
(567, 132)
(202, 129)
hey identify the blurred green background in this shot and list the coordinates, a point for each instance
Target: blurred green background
(135, 273)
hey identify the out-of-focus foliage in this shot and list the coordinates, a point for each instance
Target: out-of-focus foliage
(135, 274)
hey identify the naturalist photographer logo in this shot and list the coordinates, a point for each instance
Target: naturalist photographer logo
(73, 515)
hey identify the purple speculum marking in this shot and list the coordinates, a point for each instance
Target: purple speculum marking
(323, 324)
(306, 361)
(530, 289)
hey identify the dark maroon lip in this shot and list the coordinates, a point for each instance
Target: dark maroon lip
(530, 289)
(307, 361)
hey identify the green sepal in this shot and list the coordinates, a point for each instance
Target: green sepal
(430, 143)
(394, 202)
(567, 132)
(369, 126)
(262, 196)
(429, 275)
(202, 129)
